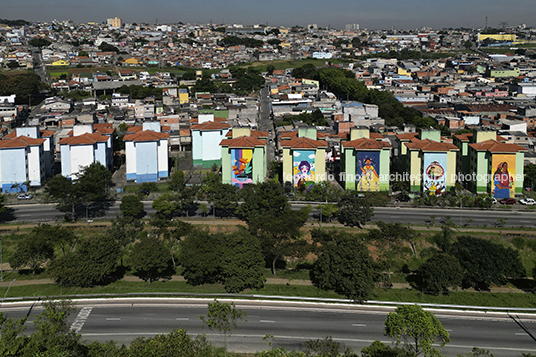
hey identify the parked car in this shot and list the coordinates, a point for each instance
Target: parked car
(508, 201)
(24, 196)
(527, 201)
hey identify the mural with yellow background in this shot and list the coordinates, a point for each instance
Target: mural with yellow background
(503, 169)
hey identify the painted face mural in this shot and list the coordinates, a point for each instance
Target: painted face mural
(503, 176)
(303, 167)
(242, 167)
(434, 175)
(367, 175)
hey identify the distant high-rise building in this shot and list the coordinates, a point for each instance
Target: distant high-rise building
(115, 22)
(351, 27)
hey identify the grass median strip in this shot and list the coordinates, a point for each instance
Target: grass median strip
(166, 287)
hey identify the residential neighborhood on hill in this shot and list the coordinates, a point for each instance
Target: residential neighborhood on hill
(476, 107)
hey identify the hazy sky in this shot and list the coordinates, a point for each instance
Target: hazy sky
(372, 14)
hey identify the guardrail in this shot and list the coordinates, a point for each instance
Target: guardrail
(370, 303)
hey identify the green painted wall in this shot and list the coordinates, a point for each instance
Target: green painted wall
(226, 165)
(259, 164)
(384, 170)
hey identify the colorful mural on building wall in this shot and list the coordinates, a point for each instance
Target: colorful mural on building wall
(303, 167)
(435, 173)
(503, 171)
(367, 174)
(242, 167)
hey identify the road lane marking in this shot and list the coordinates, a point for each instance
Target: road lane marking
(113, 319)
(81, 319)
(359, 325)
(521, 334)
(268, 321)
(182, 319)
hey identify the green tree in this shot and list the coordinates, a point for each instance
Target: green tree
(165, 205)
(54, 336)
(440, 272)
(93, 262)
(177, 344)
(33, 251)
(270, 69)
(242, 262)
(131, 206)
(150, 259)
(530, 176)
(177, 181)
(61, 190)
(380, 349)
(24, 86)
(12, 339)
(390, 238)
(93, 182)
(417, 328)
(269, 217)
(344, 265)
(200, 257)
(485, 263)
(223, 317)
(125, 230)
(39, 42)
(354, 211)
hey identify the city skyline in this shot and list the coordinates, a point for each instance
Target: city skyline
(381, 14)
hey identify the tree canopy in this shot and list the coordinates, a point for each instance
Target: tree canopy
(485, 263)
(344, 265)
(269, 216)
(417, 328)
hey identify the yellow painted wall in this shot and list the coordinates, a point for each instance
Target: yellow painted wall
(184, 98)
(498, 37)
(451, 168)
(403, 72)
(287, 165)
(311, 81)
(358, 133)
(483, 135)
(60, 63)
(415, 167)
(320, 165)
(238, 132)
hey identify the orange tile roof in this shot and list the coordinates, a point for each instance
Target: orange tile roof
(366, 144)
(406, 136)
(47, 133)
(184, 132)
(304, 143)
(210, 125)
(134, 129)
(84, 139)
(430, 145)
(20, 142)
(243, 142)
(376, 136)
(146, 135)
(497, 147)
(11, 135)
(464, 137)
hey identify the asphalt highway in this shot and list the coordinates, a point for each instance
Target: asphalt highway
(291, 324)
(514, 217)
